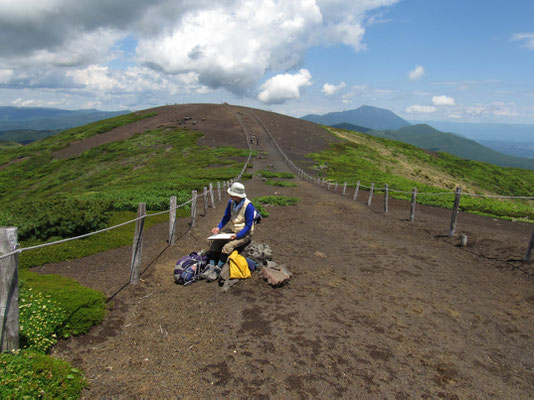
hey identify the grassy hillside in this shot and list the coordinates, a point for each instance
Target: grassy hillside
(402, 166)
(8, 145)
(49, 198)
(426, 137)
(25, 136)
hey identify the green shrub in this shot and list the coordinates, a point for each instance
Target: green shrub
(277, 200)
(56, 217)
(39, 320)
(280, 183)
(78, 307)
(30, 375)
(270, 174)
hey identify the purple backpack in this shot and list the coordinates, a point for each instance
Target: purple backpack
(188, 268)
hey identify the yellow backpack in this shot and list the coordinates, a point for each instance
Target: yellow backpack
(238, 266)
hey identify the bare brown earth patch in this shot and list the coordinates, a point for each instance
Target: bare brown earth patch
(377, 307)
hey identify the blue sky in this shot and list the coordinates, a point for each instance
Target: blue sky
(452, 60)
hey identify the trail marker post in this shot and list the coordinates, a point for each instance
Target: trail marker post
(137, 248)
(172, 220)
(386, 199)
(356, 190)
(193, 208)
(205, 198)
(370, 199)
(211, 196)
(455, 208)
(412, 205)
(344, 188)
(9, 291)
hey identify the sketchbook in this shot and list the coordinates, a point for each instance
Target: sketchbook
(220, 236)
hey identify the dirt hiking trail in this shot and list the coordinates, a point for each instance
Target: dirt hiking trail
(377, 307)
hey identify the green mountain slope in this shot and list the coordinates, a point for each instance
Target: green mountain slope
(371, 117)
(25, 136)
(426, 137)
(402, 166)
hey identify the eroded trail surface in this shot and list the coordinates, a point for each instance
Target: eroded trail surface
(378, 307)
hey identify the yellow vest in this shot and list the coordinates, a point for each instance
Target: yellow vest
(238, 220)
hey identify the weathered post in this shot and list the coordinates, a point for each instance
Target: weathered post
(218, 191)
(344, 188)
(211, 196)
(356, 190)
(412, 205)
(9, 291)
(463, 240)
(335, 188)
(137, 248)
(455, 208)
(172, 220)
(529, 250)
(193, 208)
(370, 199)
(386, 198)
(328, 185)
(205, 198)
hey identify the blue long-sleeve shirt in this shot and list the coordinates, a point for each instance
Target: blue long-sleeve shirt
(249, 219)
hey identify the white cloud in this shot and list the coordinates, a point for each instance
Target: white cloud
(329, 89)
(283, 87)
(443, 101)
(6, 75)
(416, 73)
(526, 38)
(419, 109)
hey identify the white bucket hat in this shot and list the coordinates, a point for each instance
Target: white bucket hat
(237, 189)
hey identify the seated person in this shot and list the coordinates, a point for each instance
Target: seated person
(240, 213)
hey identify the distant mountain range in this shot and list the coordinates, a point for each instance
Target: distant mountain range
(49, 119)
(384, 123)
(367, 116)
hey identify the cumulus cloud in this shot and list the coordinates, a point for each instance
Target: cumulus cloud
(283, 87)
(443, 101)
(329, 89)
(526, 38)
(230, 44)
(416, 73)
(419, 109)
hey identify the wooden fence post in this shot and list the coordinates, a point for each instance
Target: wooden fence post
(193, 208)
(412, 205)
(386, 198)
(205, 197)
(211, 196)
(455, 208)
(219, 191)
(529, 250)
(172, 220)
(370, 199)
(9, 291)
(137, 248)
(328, 185)
(344, 188)
(356, 190)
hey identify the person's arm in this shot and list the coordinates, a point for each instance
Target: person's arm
(226, 216)
(249, 220)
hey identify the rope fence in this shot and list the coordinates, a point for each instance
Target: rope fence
(10, 250)
(457, 194)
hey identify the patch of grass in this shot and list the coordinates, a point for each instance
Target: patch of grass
(30, 375)
(403, 167)
(270, 174)
(118, 237)
(78, 307)
(280, 183)
(277, 200)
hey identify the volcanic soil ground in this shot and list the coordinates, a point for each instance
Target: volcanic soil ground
(377, 307)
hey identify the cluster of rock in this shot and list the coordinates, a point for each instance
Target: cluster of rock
(275, 274)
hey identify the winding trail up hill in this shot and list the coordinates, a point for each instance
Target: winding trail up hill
(378, 307)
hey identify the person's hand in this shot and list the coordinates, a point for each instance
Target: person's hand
(215, 230)
(233, 237)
